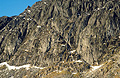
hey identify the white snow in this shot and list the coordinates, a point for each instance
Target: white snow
(109, 60)
(72, 51)
(26, 50)
(4, 63)
(29, 11)
(44, 2)
(96, 67)
(78, 61)
(24, 13)
(110, 9)
(38, 67)
(38, 26)
(14, 67)
(74, 73)
(98, 9)
(63, 45)
(29, 19)
(14, 18)
(21, 15)
(27, 66)
(2, 36)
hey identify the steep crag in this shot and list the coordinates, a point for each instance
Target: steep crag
(66, 37)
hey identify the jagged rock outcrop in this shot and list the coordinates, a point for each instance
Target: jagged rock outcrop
(56, 33)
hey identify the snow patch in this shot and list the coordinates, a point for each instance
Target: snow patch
(27, 66)
(62, 61)
(38, 67)
(15, 18)
(72, 51)
(45, 3)
(2, 36)
(98, 8)
(74, 73)
(15, 67)
(96, 67)
(110, 9)
(29, 11)
(79, 61)
(24, 13)
(38, 26)
(21, 15)
(29, 19)
(26, 50)
(63, 45)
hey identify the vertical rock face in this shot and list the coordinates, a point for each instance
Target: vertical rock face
(55, 31)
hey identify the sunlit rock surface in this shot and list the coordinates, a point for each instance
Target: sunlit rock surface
(62, 39)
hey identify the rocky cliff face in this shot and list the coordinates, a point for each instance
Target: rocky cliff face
(66, 37)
